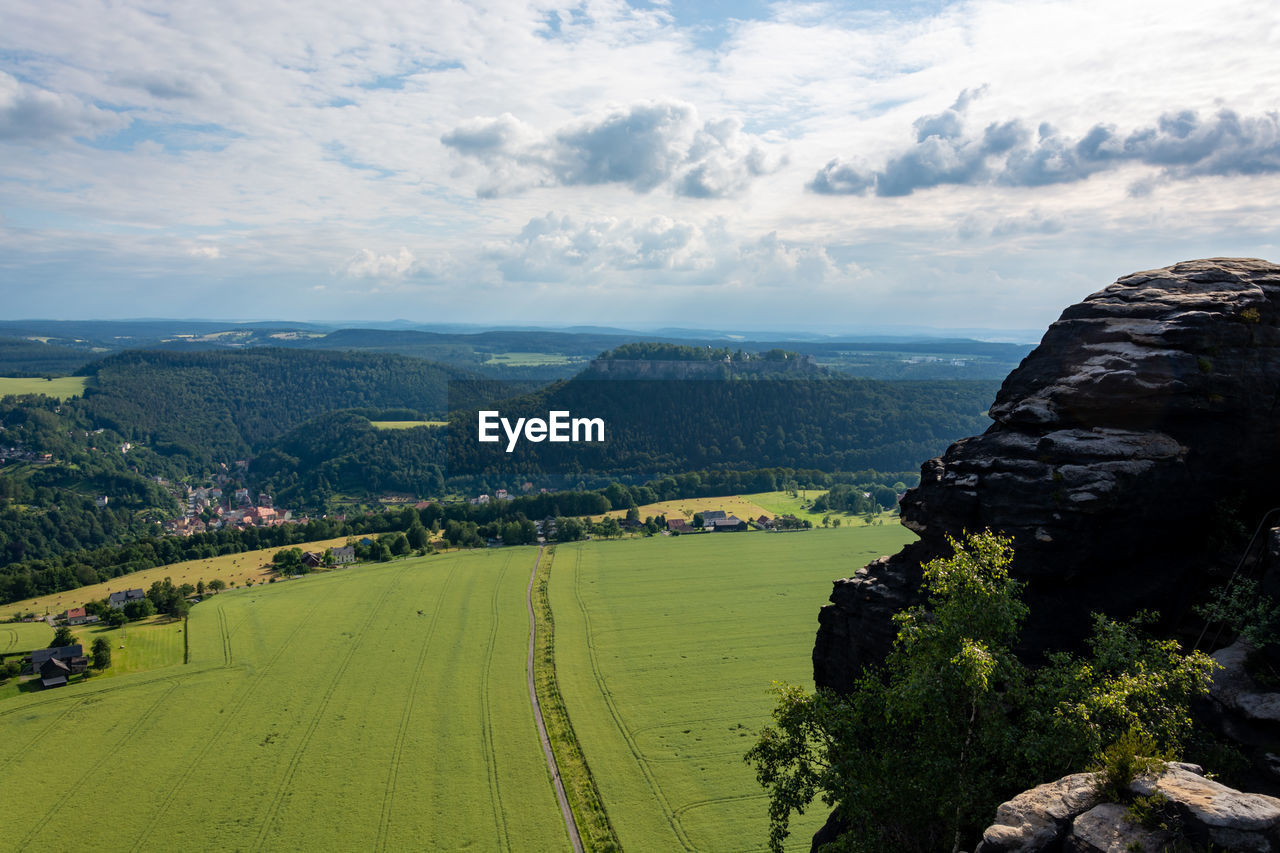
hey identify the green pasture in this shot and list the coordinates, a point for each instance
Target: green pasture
(406, 424)
(24, 636)
(379, 708)
(61, 387)
(781, 503)
(531, 359)
(666, 649)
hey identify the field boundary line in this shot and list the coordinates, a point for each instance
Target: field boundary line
(641, 762)
(393, 771)
(243, 698)
(282, 786)
(570, 823)
(13, 640)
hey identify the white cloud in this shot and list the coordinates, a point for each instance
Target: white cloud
(368, 264)
(30, 113)
(208, 253)
(641, 146)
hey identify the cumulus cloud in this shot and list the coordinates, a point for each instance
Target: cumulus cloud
(31, 113)
(205, 252)
(643, 146)
(555, 248)
(368, 264)
(1180, 145)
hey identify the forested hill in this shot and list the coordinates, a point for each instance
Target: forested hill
(663, 426)
(655, 428)
(220, 405)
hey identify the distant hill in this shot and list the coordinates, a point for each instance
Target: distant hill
(221, 404)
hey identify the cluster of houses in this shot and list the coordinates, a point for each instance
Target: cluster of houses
(717, 521)
(53, 666)
(230, 509)
(503, 495)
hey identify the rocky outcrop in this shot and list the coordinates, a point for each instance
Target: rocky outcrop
(1144, 408)
(1194, 813)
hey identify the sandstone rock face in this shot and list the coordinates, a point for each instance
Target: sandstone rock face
(1143, 407)
(1066, 815)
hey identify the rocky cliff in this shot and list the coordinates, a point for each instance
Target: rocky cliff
(1147, 415)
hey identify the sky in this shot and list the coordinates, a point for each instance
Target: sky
(825, 167)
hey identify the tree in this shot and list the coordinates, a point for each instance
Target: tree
(62, 637)
(115, 617)
(918, 755)
(200, 587)
(217, 585)
(101, 653)
(139, 609)
(417, 536)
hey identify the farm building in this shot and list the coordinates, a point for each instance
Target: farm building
(727, 525)
(54, 665)
(344, 555)
(118, 600)
(678, 525)
(312, 559)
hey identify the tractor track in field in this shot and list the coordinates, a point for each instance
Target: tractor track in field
(486, 729)
(107, 755)
(393, 771)
(282, 787)
(216, 736)
(570, 824)
(225, 633)
(659, 796)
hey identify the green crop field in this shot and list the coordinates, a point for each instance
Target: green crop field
(24, 636)
(665, 652)
(406, 424)
(532, 359)
(381, 707)
(61, 387)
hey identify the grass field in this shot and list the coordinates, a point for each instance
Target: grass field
(532, 359)
(61, 387)
(406, 424)
(381, 708)
(24, 636)
(233, 568)
(666, 649)
(745, 507)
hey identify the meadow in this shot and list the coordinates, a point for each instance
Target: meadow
(381, 707)
(385, 706)
(61, 387)
(666, 650)
(747, 507)
(406, 424)
(234, 569)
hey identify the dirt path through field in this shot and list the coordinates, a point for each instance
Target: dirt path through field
(569, 823)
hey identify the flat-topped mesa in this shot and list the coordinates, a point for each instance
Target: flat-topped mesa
(1145, 409)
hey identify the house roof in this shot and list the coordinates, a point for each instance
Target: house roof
(75, 612)
(712, 515)
(39, 656)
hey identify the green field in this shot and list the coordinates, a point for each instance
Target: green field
(532, 359)
(24, 636)
(385, 707)
(406, 424)
(62, 387)
(376, 708)
(666, 649)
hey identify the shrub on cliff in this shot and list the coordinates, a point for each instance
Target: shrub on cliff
(918, 755)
